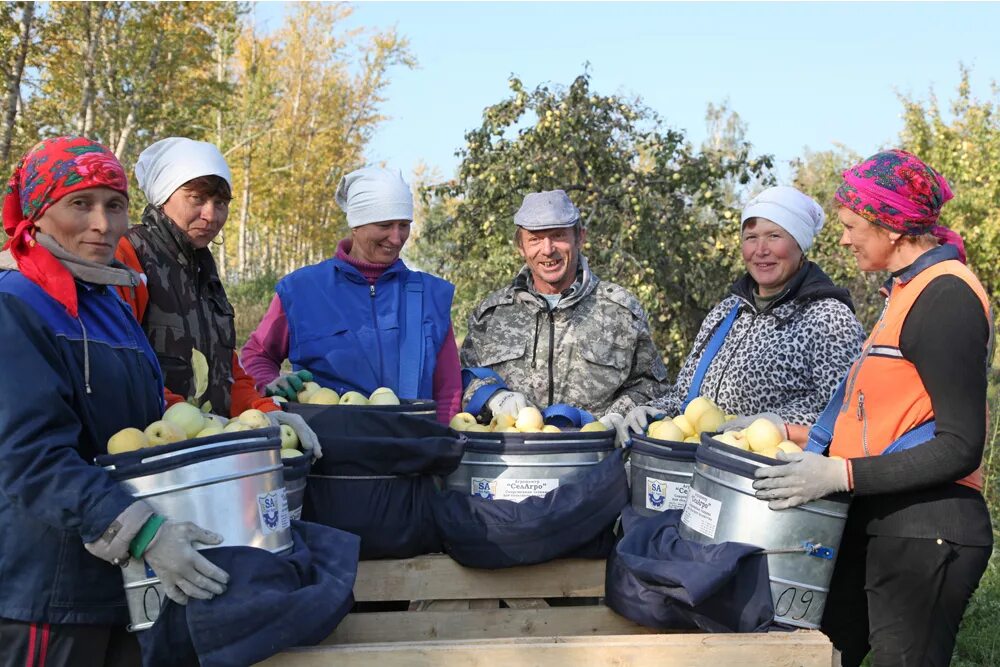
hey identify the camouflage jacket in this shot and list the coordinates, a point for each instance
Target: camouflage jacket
(188, 308)
(593, 350)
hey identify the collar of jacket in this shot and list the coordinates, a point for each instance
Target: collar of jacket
(172, 236)
(809, 283)
(352, 273)
(584, 284)
(942, 253)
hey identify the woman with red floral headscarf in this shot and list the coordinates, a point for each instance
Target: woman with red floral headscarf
(906, 430)
(77, 369)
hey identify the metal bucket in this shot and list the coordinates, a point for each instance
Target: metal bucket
(660, 474)
(230, 484)
(515, 466)
(801, 543)
(416, 407)
(295, 474)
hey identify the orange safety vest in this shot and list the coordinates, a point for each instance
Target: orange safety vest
(884, 396)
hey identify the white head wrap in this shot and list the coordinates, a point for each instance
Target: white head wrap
(170, 163)
(374, 194)
(793, 211)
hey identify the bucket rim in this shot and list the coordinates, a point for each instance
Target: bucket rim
(671, 449)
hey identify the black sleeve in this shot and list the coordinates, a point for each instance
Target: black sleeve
(946, 336)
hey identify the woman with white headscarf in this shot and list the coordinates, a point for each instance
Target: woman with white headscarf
(783, 338)
(363, 319)
(182, 304)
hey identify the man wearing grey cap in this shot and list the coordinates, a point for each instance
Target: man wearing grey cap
(558, 334)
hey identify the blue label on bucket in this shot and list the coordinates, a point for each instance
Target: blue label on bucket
(272, 508)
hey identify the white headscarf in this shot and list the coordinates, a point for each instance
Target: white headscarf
(374, 194)
(170, 163)
(793, 211)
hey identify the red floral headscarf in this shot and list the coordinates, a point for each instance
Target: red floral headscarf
(47, 173)
(895, 190)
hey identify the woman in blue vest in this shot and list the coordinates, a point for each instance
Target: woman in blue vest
(363, 319)
(76, 369)
(784, 336)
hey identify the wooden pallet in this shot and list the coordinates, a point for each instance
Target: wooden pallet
(467, 627)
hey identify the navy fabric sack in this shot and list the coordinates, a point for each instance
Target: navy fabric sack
(273, 602)
(660, 580)
(573, 520)
(376, 478)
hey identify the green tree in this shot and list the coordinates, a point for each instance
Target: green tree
(659, 213)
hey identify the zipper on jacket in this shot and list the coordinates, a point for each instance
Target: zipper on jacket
(863, 418)
(856, 367)
(552, 342)
(378, 337)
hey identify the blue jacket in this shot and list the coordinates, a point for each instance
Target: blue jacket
(52, 498)
(352, 335)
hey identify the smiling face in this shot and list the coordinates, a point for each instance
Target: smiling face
(379, 242)
(871, 245)
(199, 208)
(88, 223)
(771, 255)
(552, 255)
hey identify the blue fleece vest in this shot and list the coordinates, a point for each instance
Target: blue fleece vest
(356, 336)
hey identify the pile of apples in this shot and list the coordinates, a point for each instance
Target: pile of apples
(183, 421)
(528, 420)
(313, 394)
(760, 437)
(701, 415)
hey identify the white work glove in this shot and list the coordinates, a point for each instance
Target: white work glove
(184, 572)
(743, 422)
(616, 422)
(307, 436)
(807, 476)
(506, 402)
(638, 418)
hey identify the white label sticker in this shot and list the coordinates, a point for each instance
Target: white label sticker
(701, 513)
(512, 489)
(662, 494)
(273, 511)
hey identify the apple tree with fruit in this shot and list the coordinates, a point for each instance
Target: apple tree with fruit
(661, 215)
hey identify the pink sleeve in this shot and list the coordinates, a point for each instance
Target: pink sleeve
(267, 346)
(448, 380)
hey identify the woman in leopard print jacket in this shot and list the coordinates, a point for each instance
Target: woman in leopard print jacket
(794, 335)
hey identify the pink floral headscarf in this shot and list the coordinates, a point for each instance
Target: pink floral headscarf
(895, 190)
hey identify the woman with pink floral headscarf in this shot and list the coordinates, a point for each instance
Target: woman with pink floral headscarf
(906, 430)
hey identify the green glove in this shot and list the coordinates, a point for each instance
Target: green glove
(288, 385)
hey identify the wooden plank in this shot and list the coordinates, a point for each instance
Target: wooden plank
(785, 649)
(453, 605)
(481, 624)
(529, 603)
(438, 577)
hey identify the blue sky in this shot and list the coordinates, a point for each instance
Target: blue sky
(799, 74)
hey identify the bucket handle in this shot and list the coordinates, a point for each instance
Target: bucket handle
(808, 548)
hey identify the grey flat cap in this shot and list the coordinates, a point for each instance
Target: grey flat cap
(546, 210)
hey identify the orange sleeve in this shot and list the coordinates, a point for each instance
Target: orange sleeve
(244, 394)
(136, 297)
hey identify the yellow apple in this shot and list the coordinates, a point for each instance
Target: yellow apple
(549, 428)
(322, 396)
(733, 440)
(696, 408)
(186, 417)
(788, 447)
(763, 435)
(289, 439)
(236, 425)
(710, 420)
(290, 453)
(477, 428)
(310, 386)
(665, 429)
(685, 425)
(163, 433)
(694, 439)
(506, 429)
(353, 398)
(210, 429)
(383, 396)
(529, 418)
(593, 426)
(254, 419)
(462, 421)
(127, 440)
(499, 421)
